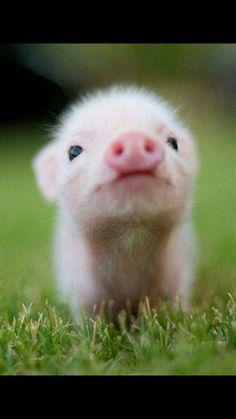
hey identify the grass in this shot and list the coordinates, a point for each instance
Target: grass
(44, 342)
(37, 333)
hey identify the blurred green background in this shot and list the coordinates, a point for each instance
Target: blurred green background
(38, 80)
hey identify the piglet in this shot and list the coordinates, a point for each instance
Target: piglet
(121, 169)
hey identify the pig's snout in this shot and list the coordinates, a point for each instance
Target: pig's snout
(134, 152)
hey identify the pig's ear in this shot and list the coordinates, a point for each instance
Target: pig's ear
(45, 166)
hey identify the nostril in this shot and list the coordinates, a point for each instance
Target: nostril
(149, 146)
(134, 152)
(117, 149)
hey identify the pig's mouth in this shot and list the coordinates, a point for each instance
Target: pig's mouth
(136, 180)
(135, 174)
(134, 177)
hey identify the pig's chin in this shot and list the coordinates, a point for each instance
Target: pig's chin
(128, 195)
(127, 200)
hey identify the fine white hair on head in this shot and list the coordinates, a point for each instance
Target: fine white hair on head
(118, 96)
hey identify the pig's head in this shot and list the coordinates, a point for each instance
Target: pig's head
(119, 155)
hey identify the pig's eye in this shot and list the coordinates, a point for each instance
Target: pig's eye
(173, 143)
(74, 151)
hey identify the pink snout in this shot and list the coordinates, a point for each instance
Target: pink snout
(134, 152)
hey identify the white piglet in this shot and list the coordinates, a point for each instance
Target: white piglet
(121, 169)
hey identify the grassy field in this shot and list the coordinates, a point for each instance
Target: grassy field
(37, 333)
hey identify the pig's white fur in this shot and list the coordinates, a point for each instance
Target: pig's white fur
(114, 243)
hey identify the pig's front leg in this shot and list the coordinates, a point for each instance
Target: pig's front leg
(178, 259)
(74, 276)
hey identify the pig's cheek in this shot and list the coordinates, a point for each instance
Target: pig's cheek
(177, 171)
(69, 187)
(167, 170)
(177, 183)
(183, 191)
(100, 172)
(68, 199)
(76, 198)
(190, 152)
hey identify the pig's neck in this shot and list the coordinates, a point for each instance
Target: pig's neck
(126, 259)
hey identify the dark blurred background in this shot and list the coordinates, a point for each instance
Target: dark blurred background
(38, 80)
